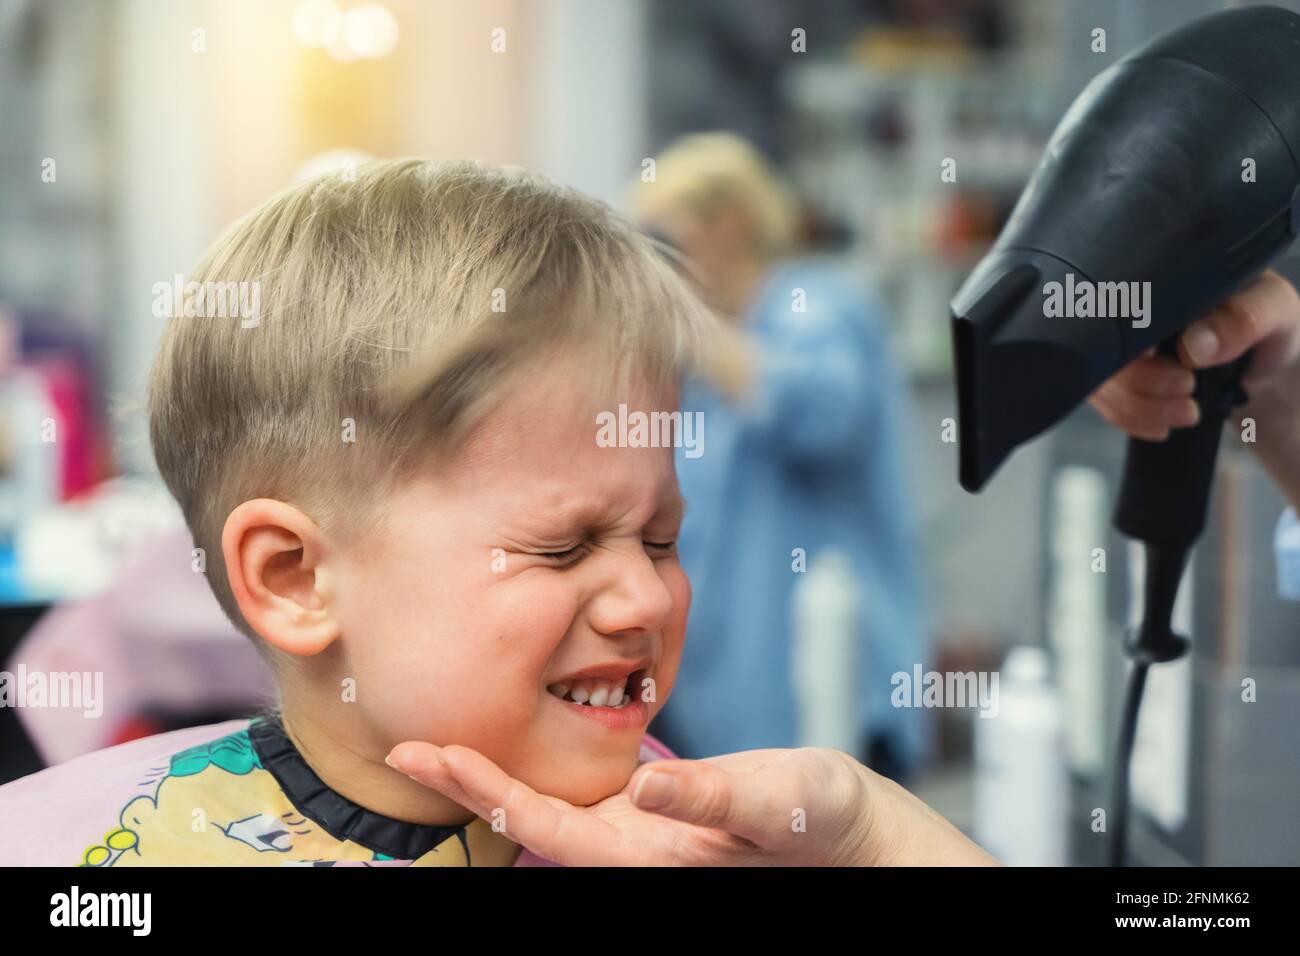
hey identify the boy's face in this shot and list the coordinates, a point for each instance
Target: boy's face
(536, 560)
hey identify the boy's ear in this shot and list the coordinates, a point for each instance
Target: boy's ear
(274, 562)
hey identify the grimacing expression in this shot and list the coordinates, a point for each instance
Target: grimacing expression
(536, 570)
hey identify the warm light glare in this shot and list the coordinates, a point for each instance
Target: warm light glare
(365, 32)
(316, 22)
(340, 49)
(370, 31)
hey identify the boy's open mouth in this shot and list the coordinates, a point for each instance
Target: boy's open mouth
(614, 693)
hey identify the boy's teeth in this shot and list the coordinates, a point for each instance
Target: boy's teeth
(593, 693)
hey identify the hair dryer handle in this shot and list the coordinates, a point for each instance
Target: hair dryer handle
(1163, 500)
(1165, 492)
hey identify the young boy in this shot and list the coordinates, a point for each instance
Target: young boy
(393, 475)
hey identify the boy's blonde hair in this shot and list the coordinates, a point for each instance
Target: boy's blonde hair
(395, 302)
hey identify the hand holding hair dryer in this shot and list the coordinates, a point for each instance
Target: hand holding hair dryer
(1172, 180)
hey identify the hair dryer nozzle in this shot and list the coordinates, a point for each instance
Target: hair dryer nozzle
(1019, 371)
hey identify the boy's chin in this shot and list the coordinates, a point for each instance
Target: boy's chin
(585, 788)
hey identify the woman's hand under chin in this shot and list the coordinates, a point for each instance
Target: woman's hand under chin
(811, 806)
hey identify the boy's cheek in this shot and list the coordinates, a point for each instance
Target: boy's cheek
(443, 701)
(664, 681)
(673, 637)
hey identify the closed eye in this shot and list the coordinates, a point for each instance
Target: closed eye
(561, 555)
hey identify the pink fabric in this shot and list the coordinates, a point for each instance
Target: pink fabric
(160, 640)
(50, 818)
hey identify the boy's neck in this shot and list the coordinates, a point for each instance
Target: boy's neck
(358, 772)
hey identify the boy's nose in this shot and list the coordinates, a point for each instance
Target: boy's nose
(633, 598)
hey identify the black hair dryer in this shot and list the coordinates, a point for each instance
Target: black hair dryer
(1172, 180)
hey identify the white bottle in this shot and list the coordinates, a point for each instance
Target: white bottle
(826, 614)
(1021, 782)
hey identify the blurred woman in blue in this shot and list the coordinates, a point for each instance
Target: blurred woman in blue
(811, 463)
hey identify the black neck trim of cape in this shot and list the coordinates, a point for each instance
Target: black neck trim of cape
(336, 814)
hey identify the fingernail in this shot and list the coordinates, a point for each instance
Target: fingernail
(1192, 412)
(654, 790)
(389, 760)
(1201, 343)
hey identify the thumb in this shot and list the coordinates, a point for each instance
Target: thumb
(704, 795)
(1264, 308)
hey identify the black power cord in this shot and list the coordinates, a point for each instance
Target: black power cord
(1152, 642)
(1137, 679)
